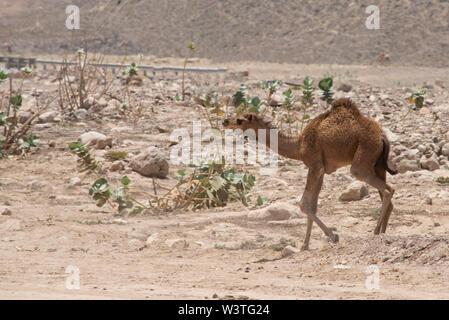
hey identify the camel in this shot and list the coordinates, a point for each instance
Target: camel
(339, 137)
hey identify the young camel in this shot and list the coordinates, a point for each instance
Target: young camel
(339, 137)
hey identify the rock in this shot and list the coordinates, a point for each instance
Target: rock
(81, 114)
(177, 243)
(95, 139)
(150, 163)
(274, 212)
(152, 239)
(289, 250)
(88, 103)
(4, 211)
(407, 165)
(117, 166)
(411, 154)
(24, 116)
(439, 83)
(355, 191)
(75, 181)
(345, 87)
(47, 117)
(445, 150)
(102, 103)
(34, 185)
(430, 163)
(424, 110)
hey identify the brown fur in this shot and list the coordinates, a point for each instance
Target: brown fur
(339, 137)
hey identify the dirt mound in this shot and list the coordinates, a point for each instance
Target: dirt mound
(415, 33)
(415, 249)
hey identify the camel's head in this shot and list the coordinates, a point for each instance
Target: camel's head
(249, 120)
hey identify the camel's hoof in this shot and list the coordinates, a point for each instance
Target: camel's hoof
(336, 238)
(305, 248)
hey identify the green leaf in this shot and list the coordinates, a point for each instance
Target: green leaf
(125, 180)
(261, 201)
(325, 84)
(3, 75)
(16, 101)
(136, 210)
(100, 185)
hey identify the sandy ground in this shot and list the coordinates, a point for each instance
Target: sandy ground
(54, 225)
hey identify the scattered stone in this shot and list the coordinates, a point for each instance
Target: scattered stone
(81, 114)
(75, 181)
(117, 166)
(289, 250)
(407, 165)
(24, 116)
(445, 150)
(47, 117)
(355, 191)
(95, 139)
(88, 103)
(274, 212)
(430, 163)
(34, 185)
(152, 239)
(345, 87)
(150, 163)
(177, 243)
(4, 211)
(102, 103)
(424, 110)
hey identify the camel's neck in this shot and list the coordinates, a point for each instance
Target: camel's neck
(287, 146)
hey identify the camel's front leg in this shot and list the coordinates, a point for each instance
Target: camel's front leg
(309, 203)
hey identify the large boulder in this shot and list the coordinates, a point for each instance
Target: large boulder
(355, 191)
(430, 163)
(275, 211)
(150, 163)
(407, 165)
(445, 149)
(95, 139)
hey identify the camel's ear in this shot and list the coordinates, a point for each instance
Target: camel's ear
(249, 117)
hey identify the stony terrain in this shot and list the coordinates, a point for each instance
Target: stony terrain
(48, 222)
(332, 31)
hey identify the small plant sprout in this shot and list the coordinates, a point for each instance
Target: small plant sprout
(131, 70)
(417, 99)
(272, 87)
(325, 91)
(14, 136)
(192, 50)
(307, 99)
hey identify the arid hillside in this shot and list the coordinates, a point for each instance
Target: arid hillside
(411, 32)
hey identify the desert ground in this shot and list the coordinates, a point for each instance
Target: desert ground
(49, 224)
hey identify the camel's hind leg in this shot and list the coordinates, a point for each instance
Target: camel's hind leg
(364, 168)
(309, 203)
(383, 222)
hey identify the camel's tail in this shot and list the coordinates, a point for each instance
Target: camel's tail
(384, 156)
